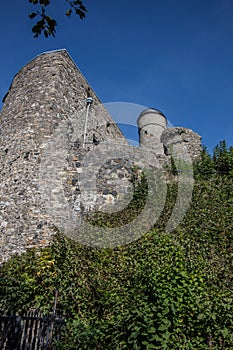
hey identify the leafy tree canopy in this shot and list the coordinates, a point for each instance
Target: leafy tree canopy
(47, 24)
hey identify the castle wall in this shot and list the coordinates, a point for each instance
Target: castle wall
(48, 92)
(182, 143)
(45, 155)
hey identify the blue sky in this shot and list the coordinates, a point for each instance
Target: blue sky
(173, 55)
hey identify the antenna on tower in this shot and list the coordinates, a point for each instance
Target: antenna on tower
(89, 101)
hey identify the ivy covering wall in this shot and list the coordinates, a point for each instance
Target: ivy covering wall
(164, 291)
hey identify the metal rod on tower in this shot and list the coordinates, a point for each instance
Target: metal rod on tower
(89, 101)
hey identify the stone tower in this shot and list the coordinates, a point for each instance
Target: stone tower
(47, 93)
(151, 124)
(57, 135)
(154, 135)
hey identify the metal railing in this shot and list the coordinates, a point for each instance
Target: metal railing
(29, 331)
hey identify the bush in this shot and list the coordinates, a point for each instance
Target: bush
(164, 291)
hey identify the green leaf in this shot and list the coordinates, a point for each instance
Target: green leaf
(32, 15)
(44, 2)
(68, 13)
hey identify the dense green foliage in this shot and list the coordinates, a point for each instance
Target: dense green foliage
(223, 158)
(220, 163)
(164, 291)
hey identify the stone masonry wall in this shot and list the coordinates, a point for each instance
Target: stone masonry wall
(44, 159)
(183, 142)
(47, 93)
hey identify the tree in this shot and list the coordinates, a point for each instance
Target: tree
(222, 158)
(47, 24)
(204, 166)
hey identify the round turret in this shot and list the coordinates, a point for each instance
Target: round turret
(151, 124)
